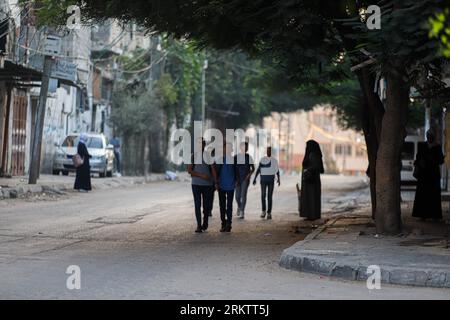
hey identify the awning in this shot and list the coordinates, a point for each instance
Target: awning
(17, 73)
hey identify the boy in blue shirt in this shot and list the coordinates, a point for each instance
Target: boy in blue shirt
(227, 177)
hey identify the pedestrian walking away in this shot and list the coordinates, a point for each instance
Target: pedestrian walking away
(211, 152)
(117, 156)
(203, 177)
(83, 174)
(427, 201)
(310, 195)
(267, 168)
(245, 167)
(228, 177)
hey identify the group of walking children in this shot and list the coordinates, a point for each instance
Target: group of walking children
(230, 176)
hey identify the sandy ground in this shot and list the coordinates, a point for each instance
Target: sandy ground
(139, 243)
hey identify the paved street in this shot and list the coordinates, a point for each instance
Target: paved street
(139, 242)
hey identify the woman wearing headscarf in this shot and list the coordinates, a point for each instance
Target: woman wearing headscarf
(310, 197)
(83, 177)
(427, 201)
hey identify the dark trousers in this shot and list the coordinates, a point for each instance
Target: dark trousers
(241, 194)
(267, 189)
(213, 191)
(202, 195)
(117, 158)
(226, 206)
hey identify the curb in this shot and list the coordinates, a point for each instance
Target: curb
(292, 259)
(397, 276)
(60, 189)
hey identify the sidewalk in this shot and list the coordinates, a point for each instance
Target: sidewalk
(347, 245)
(18, 187)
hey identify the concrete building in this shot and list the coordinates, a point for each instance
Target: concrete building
(79, 97)
(344, 151)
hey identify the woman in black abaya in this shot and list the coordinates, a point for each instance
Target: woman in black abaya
(83, 177)
(427, 202)
(310, 198)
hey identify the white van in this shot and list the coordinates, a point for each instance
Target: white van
(409, 151)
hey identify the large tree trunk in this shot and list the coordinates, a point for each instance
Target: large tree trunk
(371, 108)
(371, 117)
(388, 213)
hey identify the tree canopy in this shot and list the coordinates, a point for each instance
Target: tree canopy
(313, 41)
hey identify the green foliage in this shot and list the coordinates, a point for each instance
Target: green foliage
(51, 13)
(403, 45)
(165, 90)
(439, 25)
(231, 98)
(135, 111)
(302, 40)
(184, 64)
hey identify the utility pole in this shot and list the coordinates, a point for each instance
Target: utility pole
(205, 66)
(288, 138)
(52, 47)
(427, 117)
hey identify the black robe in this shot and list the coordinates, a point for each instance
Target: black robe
(427, 201)
(83, 178)
(310, 197)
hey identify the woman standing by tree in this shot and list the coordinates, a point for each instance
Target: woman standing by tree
(83, 177)
(310, 199)
(427, 202)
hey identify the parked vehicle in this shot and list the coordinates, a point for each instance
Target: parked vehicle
(101, 160)
(409, 151)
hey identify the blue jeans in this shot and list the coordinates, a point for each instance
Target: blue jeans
(226, 206)
(202, 195)
(241, 194)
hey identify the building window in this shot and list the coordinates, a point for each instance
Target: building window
(359, 152)
(343, 149)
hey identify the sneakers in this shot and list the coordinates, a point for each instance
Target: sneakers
(240, 214)
(269, 216)
(263, 214)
